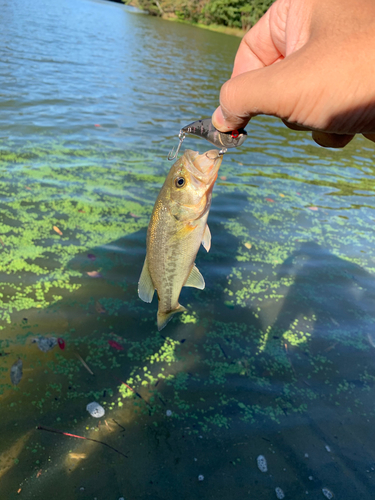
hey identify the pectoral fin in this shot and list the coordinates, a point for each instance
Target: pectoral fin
(206, 242)
(163, 318)
(195, 279)
(146, 288)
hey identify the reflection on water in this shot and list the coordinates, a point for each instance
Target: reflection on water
(274, 358)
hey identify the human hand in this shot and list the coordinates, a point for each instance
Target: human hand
(310, 63)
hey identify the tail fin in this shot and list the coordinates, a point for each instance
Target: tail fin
(164, 317)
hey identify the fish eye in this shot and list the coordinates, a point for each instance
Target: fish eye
(179, 182)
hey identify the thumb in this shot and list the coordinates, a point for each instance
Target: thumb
(272, 90)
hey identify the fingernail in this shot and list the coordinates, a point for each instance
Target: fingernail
(218, 120)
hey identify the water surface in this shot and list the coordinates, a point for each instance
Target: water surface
(275, 357)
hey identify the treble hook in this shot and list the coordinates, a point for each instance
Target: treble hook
(181, 137)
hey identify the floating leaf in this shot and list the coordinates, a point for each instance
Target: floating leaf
(95, 410)
(115, 345)
(45, 344)
(94, 274)
(57, 230)
(16, 372)
(134, 215)
(270, 200)
(61, 343)
(313, 208)
(248, 245)
(279, 493)
(262, 463)
(327, 493)
(282, 195)
(99, 308)
(223, 177)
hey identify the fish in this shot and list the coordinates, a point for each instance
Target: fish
(177, 228)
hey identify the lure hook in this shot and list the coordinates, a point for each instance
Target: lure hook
(181, 137)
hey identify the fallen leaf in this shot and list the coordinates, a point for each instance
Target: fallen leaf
(99, 308)
(45, 344)
(97, 125)
(94, 274)
(16, 372)
(55, 228)
(223, 177)
(313, 208)
(270, 199)
(115, 345)
(248, 245)
(282, 195)
(39, 473)
(134, 215)
(61, 343)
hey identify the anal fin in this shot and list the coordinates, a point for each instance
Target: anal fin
(195, 279)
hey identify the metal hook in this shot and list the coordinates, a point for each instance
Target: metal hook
(181, 136)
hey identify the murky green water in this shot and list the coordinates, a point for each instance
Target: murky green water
(275, 357)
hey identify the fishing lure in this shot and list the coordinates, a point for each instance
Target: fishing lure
(206, 130)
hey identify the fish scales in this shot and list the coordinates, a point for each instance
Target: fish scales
(178, 226)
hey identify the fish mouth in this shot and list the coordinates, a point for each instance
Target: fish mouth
(205, 166)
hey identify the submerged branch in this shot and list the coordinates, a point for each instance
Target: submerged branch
(56, 431)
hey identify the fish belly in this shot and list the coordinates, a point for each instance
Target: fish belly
(171, 257)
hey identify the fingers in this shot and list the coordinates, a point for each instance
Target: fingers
(325, 139)
(331, 140)
(371, 137)
(258, 48)
(272, 90)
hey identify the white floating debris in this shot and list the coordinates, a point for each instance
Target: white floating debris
(45, 344)
(95, 410)
(328, 448)
(168, 413)
(327, 493)
(306, 455)
(311, 478)
(279, 493)
(262, 463)
(200, 477)
(16, 372)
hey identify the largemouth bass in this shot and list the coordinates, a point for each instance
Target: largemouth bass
(177, 227)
